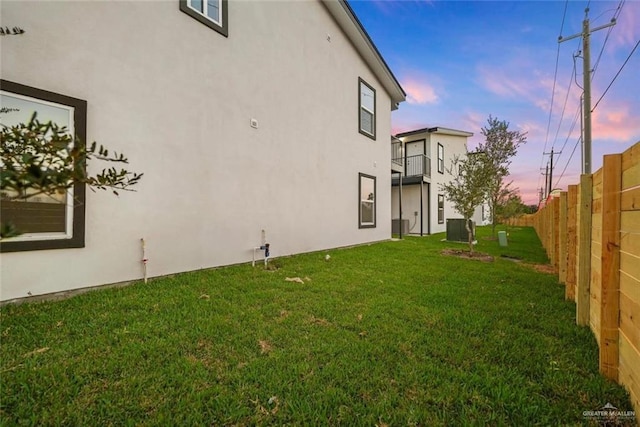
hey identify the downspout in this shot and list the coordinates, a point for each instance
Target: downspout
(400, 202)
(144, 259)
(421, 206)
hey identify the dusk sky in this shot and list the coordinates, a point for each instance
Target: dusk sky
(461, 61)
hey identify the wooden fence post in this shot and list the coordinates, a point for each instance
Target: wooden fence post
(572, 240)
(584, 251)
(562, 238)
(610, 262)
(553, 232)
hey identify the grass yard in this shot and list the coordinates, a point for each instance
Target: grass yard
(387, 334)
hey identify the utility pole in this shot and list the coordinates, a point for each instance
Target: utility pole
(550, 171)
(586, 79)
(544, 194)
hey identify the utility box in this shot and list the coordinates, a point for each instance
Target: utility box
(395, 226)
(502, 238)
(457, 232)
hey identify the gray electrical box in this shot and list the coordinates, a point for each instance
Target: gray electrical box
(457, 232)
(502, 238)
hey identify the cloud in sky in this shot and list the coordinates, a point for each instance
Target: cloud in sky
(627, 29)
(419, 91)
(615, 124)
(516, 80)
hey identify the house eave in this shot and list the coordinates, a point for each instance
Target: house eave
(436, 130)
(353, 29)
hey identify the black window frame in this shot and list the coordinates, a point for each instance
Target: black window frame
(222, 29)
(361, 82)
(375, 204)
(440, 208)
(79, 106)
(440, 158)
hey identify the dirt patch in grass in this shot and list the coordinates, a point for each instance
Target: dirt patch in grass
(542, 268)
(467, 255)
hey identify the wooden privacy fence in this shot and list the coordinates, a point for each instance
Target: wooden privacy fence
(591, 233)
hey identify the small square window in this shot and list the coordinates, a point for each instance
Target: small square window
(366, 109)
(440, 158)
(440, 209)
(212, 13)
(366, 201)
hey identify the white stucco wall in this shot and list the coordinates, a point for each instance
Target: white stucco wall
(454, 145)
(177, 99)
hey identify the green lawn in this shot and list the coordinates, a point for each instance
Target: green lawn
(389, 334)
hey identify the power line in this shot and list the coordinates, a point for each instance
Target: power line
(568, 161)
(553, 90)
(615, 17)
(573, 125)
(616, 76)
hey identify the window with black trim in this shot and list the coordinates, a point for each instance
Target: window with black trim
(440, 158)
(46, 221)
(440, 209)
(212, 13)
(366, 109)
(366, 201)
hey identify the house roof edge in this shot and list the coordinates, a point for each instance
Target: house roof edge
(354, 30)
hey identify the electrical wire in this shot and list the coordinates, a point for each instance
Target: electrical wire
(616, 76)
(618, 10)
(553, 90)
(568, 161)
(573, 125)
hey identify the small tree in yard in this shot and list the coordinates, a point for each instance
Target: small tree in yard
(500, 145)
(43, 158)
(467, 189)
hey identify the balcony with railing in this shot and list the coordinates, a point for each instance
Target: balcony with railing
(396, 156)
(417, 165)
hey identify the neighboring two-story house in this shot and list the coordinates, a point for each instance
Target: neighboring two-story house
(426, 156)
(253, 122)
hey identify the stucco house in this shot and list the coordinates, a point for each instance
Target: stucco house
(253, 122)
(426, 155)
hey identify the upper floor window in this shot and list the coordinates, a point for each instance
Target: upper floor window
(45, 221)
(367, 109)
(440, 158)
(212, 13)
(367, 201)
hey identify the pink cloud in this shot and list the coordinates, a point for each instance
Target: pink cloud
(419, 91)
(615, 123)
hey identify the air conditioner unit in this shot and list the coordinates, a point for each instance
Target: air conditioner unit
(395, 226)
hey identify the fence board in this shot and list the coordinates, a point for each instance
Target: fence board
(630, 324)
(610, 258)
(630, 221)
(629, 372)
(594, 299)
(630, 286)
(630, 200)
(631, 157)
(572, 240)
(630, 265)
(596, 206)
(583, 298)
(631, 176)
(562, 240)
(630, 242)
